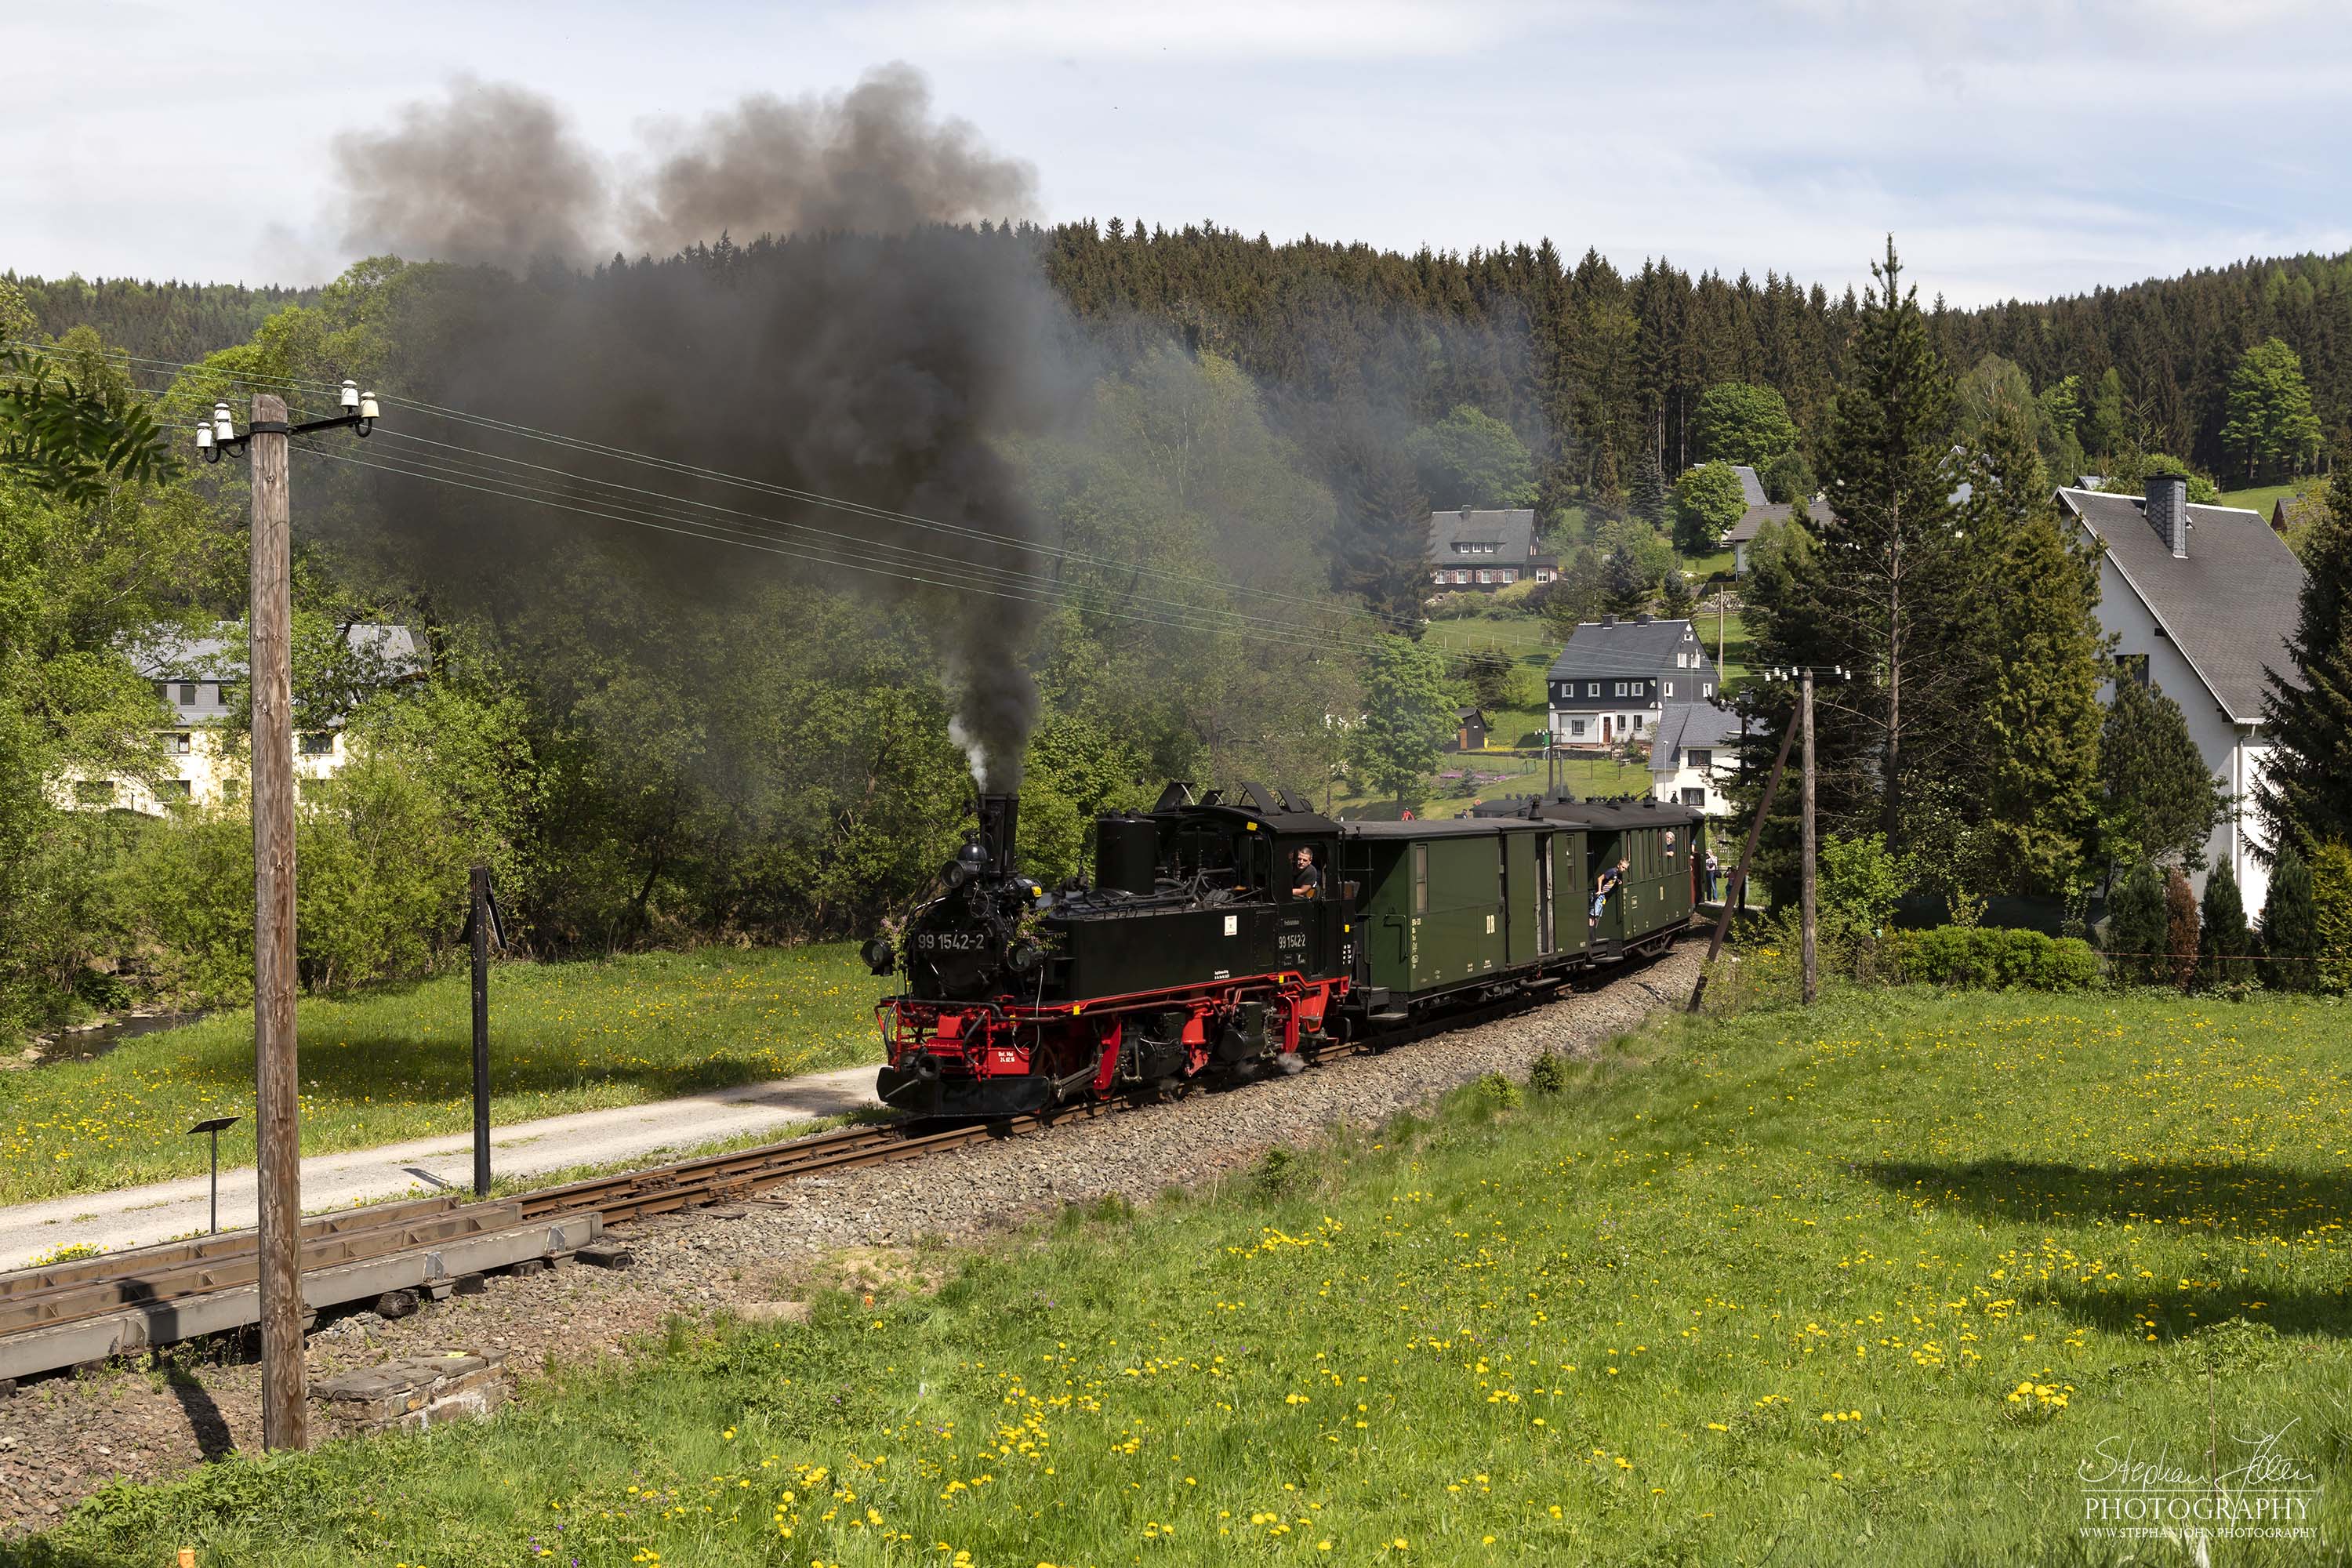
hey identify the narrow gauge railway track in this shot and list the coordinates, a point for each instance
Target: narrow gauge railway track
(72, 1314)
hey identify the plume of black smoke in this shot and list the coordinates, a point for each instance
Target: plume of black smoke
(879, 369)
(768, 166)
(491, 175)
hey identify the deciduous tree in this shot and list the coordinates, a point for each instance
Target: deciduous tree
(2269, 417)
(1739, 422)
(1405, 722)
(1707, 501)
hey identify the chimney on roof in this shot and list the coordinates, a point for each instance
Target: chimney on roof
(2167, 511)
(1643, 619)
(1608, 620)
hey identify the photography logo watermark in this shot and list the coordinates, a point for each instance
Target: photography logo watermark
(2241, 1485)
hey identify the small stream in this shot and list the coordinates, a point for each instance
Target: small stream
(89, 1044)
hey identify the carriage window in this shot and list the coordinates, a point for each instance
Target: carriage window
(1420, 879)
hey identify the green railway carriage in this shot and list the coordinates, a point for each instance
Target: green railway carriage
(1442, 906)
(1657, 843)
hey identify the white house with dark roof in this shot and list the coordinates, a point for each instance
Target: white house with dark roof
(199, 680)
(1475, 550)
(1694, 755)
(2199, 600)
(1614, 678)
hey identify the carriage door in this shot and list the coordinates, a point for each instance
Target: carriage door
(1544, 939)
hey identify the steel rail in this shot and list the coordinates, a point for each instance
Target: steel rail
(156, 1277)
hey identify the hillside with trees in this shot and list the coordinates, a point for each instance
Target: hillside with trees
(1244, 440)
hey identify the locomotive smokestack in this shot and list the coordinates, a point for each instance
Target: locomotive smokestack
(1000, 816)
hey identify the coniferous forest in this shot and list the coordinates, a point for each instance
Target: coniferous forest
(1600, 369)
(1227, 449)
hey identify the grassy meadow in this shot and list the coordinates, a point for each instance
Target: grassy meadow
(1875, 1284)
(397, 1063)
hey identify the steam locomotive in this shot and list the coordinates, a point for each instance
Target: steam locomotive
(1226, 937)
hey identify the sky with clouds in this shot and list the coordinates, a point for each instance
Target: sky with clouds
(2014, 148)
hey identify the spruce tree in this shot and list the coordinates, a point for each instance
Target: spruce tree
(1895, 574)
(2290, 926)
(2180, 931)
(2306, 793)
(1648, 501)
(2159, 801)
(2227, 942)
(2135, 934)
(1381, 551)
(2041, 715)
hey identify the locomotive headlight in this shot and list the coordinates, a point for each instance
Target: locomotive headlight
(1024, 957)
(880, 956)
(953, 876)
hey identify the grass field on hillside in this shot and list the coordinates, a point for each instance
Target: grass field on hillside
(1880, 1283)
(2261, 498)
(398, 1063)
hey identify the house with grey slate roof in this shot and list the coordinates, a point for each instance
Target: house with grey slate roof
(1484, 550)
(1614, 678)
(2200, 600)
(197, 681)
(1694, 755)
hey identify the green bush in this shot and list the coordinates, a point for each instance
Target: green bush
(1998, 958)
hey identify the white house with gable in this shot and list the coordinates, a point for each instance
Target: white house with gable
(2199, 600)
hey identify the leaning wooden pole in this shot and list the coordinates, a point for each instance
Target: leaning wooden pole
(285, 1395)
(1807, 901)
(1737, 892)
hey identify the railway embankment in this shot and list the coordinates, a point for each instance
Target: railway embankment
(868, 1228)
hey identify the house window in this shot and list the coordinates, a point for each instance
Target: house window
(2133, 667)
(187, 694)
(1670, 689)
(1637, 724)
(1699, 757)
(173, 789)
(1509, 576)
(1706, 688)
(1694, 797)
(319, 743)
(183, 743)
(1576, 727)
(1621, 688)
(1592, 689)
(1485, 575)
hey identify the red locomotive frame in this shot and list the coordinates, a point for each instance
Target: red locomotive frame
(1073, 1048)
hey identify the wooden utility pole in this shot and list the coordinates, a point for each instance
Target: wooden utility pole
(285, 1393)
(479, 928)
(1805, 812)
(1736, 896)
(277, 1077)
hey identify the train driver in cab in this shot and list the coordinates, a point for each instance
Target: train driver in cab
(1305, 877)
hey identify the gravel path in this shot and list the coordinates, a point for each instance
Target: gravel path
(61, 1439)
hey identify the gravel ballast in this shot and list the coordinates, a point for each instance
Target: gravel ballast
(62, 1439)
